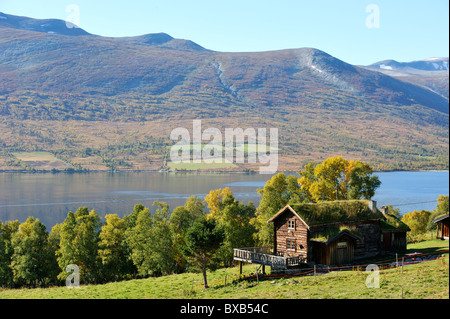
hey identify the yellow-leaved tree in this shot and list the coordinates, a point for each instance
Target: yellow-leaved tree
(338, 179)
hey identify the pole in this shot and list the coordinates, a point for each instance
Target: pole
(314, 272)
(403, 261)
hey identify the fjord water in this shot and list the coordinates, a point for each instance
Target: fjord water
(50, 197)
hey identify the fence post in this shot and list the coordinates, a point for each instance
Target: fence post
(403, 261)
(314, 272)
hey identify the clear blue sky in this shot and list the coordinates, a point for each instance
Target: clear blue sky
(408, 29)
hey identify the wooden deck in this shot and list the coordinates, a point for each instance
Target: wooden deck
(263, 256)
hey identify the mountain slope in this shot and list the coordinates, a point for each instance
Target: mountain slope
(432, 73)
(161, 82)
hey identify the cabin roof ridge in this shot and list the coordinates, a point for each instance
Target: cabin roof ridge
(281, 211)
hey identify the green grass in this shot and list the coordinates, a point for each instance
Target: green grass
(202, 166)
(40, 160)
(420, 281)
(35, 156)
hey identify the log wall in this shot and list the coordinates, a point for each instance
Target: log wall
(299, 235)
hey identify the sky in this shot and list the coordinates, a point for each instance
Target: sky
(359, 32)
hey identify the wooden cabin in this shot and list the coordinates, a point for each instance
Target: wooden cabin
(336, 233)
(330, 233)
(442, 225)
(291, 233)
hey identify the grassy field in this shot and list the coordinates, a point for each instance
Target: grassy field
(202, 166)
(40, 160)
(425, 280)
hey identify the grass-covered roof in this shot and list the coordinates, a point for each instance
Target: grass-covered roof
(336, 212)
(328, 234)
(392, 223)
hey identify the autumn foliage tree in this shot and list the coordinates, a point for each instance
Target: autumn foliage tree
(417, 221)
(338, 179)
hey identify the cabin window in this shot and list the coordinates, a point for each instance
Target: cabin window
(291, 224)
(342, 245)
(290, 244)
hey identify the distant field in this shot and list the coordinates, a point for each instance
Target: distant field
(41, 160)
(202, 166)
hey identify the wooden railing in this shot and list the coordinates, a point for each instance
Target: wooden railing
(263, 256)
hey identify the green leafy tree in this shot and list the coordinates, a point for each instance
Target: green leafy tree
(79, 237)
(161, 241)
(234, 217)
(31, 257)
(181, 220)
(7, 230)
(111, 248)
(129, 224)
(183, 217)
(136, 238)
(441, 209)
(277, 193)
(203, 240)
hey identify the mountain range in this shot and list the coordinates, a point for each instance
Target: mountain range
(64, 90)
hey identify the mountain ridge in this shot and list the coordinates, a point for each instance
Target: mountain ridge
(48, 78)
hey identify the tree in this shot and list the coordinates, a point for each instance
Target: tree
(31, 257)
(181, 220)
(417, 221)
(233, 218)
(339, 179)
(361, 182)
(129, 224)
(111, 248)
(183, 217)
(215, 199)
(161, 241)
(202, 240)
(136, 238)
(7, 230)
(441, 209)
(277, 193)
(79, 244)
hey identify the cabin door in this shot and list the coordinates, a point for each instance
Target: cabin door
(387, 241)
(341, 256)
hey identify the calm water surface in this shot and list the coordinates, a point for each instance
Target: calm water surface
(50, 196)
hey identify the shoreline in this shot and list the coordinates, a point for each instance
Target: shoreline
(184, 172)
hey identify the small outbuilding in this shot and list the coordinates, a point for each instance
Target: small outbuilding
(335, 247)
(442, 225)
